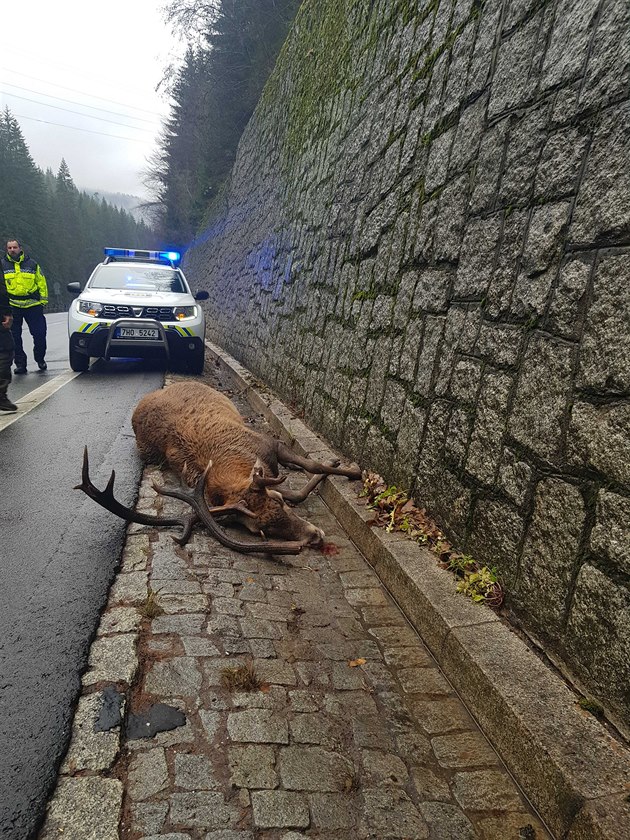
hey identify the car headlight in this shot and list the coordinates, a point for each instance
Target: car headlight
(181, 312)
(90, 308)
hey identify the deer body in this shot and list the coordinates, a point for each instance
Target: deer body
(189, 424)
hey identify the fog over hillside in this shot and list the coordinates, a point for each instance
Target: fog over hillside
(130, 203)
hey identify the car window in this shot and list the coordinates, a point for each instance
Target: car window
(139, 278)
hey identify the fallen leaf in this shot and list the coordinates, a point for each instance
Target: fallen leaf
(354, 663)
(264, 687)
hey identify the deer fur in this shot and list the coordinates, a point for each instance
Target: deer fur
(189, 424)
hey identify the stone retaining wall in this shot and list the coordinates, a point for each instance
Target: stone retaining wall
(425, 246)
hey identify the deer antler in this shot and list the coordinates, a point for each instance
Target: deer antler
(106, 499)
(262, 480)
(196, 499)
(295, 496)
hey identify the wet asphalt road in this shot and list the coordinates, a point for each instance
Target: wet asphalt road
(58, 555)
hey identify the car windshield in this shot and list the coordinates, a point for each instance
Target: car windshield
(138, 278)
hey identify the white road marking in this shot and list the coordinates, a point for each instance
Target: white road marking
(36, 397)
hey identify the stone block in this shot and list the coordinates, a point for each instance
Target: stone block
(542, 395)
(527, 134)
(437, 165)
(148, 773)
(194, 772)
(334, 811)
(540, 258)
(90, 749)
(568, 301)
(486, 441)
(515, 476)
(598, 439)
(459, 428)
(560, 162)
(499, 344)
(499, 293)
(485, 790)
(280, 809)
(512, 84)
(487, 33)
(84, 808)
(604, 819)
(463, 749)
(432, 290)
(568, 47)
(380, 768)
(468, 134)
(608, 69)
(602, 210)
(453, 209)
(478, 256)
(429, 681)
(610, 538)
(129, 588)
(447, 821)
(487, 173)
(202, 810)
(551, 554)
(605, 352)
(389, 812)
(178, 677)
(252, 767)
(112, 659)
(258, 726)
(598, 637)
(433, 331)
(314, 769)
(495, 537)
(466, 379)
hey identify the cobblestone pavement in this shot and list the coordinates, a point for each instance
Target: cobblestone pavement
(353, 733)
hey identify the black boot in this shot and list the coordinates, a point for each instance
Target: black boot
(6, 404)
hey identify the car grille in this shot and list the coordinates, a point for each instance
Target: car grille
(158, 313)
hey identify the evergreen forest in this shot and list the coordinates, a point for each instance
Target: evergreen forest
(232, 49)
(64, 229)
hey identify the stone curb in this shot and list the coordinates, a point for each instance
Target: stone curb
(576, 775)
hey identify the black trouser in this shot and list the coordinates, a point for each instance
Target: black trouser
(34, 317)
(6, 358)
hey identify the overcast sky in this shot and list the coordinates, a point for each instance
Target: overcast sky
(80, 79)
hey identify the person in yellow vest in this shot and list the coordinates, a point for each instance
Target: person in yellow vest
(28, 294)
(6, 351)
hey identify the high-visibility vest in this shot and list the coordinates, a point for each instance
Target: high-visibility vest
(26, 285)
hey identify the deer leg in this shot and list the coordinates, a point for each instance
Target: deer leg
(286, 456)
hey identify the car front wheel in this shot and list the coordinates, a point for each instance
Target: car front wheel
(196, 360)
(78, 361)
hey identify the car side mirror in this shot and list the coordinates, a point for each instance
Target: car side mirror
(75, 288)
(202, 295)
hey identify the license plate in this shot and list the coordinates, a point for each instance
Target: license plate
(137, 332)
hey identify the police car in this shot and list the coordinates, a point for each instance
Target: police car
(137, 304)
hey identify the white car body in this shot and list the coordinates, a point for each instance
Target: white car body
(137, 306)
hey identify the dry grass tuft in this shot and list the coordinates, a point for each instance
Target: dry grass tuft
(241, 678)
(151, 607)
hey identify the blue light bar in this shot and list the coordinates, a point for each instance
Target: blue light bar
(173, 256)
(133, 254)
